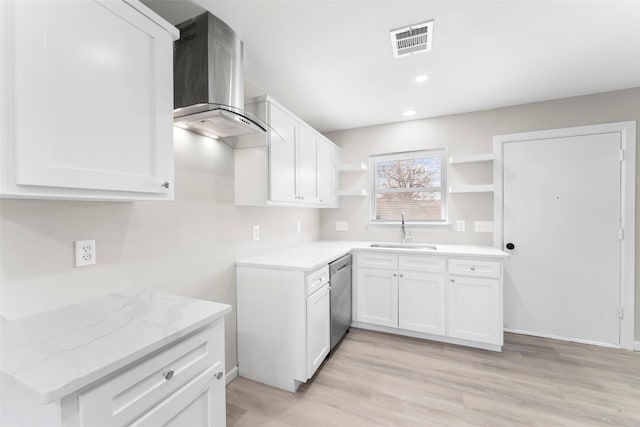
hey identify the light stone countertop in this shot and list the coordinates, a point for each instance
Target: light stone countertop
(306, 257)
(58, 352)
(313, 255)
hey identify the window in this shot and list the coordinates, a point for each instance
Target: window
(412, 183)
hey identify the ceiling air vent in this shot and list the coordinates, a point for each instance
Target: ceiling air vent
(413, 39)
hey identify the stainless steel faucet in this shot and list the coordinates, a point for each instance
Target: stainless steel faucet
(403, 231)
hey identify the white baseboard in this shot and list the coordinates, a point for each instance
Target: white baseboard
(560, 338)
(636, 346)
(231, 375)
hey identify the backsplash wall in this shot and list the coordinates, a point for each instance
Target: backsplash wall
(186, 247)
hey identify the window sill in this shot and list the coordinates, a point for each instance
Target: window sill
(435, 226)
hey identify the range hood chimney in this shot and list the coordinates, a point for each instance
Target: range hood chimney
(208, 83)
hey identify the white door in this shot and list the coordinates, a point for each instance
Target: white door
(421, 300)
(562, 214)
(318, 329)
(377, 300)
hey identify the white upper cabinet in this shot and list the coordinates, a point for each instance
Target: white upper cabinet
(290, 165)
(87, 101)
(328, 158)
(306, 164)
(282, 156)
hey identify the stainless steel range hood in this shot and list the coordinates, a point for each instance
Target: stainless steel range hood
(208, 83)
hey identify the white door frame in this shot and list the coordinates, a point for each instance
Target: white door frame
(627, 132)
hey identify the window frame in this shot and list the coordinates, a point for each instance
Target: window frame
(403, 155)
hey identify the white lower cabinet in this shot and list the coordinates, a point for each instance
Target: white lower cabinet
(318, 328)
(177, 377)
(378, 296)
(422, 302)
(474, 309)
(414, 295)
(283, 324)
(182, 384)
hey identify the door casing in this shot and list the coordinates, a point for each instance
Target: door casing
(627, 132)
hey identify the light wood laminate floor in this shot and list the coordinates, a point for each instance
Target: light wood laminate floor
(376, 379)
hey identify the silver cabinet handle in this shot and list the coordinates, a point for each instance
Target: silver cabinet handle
(452, 280)
(402, 275)
(219, 375)
(168, 374)
(166, 184)
(473, 268)
(395, 275)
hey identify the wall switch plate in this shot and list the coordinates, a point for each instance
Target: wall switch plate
(484, 226)
(342, 226)
(85, 252)
(256, 232)
(299, 227)
(460, 225)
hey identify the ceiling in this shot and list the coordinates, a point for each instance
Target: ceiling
(331, 63)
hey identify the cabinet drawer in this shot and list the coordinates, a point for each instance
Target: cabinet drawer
(421, 263)
(316, 279)
(470, 267)
(376, 260)
(133, 392)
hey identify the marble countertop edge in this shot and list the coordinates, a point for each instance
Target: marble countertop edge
(32, 379)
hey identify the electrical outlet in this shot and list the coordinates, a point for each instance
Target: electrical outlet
(299, 227)
(460, 225)
(342, 226)
(256, 232)
(484, 226)
(85, 252)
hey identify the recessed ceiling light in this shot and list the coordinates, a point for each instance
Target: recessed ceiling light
(409, 113)
(422, 78)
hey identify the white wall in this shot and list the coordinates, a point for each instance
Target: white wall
(186, 247)
(470, 133)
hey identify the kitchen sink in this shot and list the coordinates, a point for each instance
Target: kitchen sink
(420, 246)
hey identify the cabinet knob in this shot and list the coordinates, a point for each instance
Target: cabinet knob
(402, 275)
(452, 280)
(473, 268)
(395, 275)
(168, 374)
(166, 184)
(219, 375)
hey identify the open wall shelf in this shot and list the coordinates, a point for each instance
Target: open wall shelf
(354, 192)
(454, 189)
(472, 158)
(352, 167)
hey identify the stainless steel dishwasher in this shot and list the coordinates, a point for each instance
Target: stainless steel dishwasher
(340, 279)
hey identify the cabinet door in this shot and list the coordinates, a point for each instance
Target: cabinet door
(318, 329)
(92, 97)
(306, 166)
(326, 173)
(201, 403)
(377, 296)
(422, 302)
(475, 309)
(282, 157)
